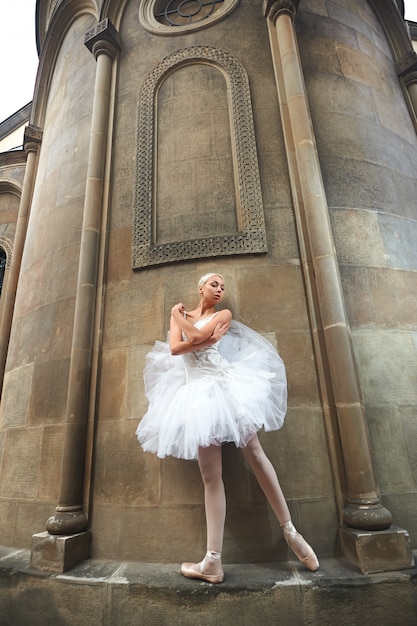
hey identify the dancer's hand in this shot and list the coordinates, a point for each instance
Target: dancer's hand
(219, 330)
(178, 308)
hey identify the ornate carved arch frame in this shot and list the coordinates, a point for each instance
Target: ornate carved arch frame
(251, 237)
(7, 246)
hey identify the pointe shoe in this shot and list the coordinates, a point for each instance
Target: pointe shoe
(302, 550)
(199, 570)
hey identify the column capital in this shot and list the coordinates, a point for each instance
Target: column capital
(273, 8)
(410, 78)
(407, 64)
(103, 39)
(32, 138)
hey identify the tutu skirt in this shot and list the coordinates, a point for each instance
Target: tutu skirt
(224, 393)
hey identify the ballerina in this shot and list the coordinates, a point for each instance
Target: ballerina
(217, 381)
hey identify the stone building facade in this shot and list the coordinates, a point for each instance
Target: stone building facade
(274, 142)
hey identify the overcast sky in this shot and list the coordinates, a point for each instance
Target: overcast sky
(19, 56)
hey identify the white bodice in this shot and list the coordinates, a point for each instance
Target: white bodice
(206, 361)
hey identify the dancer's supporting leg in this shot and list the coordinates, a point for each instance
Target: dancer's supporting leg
(268, 481)
(210, 568)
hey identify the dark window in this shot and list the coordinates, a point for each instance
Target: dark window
(2, 267)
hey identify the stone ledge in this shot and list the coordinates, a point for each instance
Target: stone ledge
(101, 593)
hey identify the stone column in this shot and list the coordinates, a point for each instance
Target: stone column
(407, 72)
(363, 510)
(67, 539)
(31, 143)
(410, 80)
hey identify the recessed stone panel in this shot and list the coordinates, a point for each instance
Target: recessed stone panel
(20, 470)
(16, 397)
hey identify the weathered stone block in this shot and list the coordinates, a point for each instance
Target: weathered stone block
(9, 208)
(399, 237)
(114, 373)
(296, 350)
(181, 483)
(7, 521)
(165, 533)
(378, 551)
(279, 296)
(385, 425)
(57, 553)
(16, 389)
(136, 403)
(119, 256)
(50, 462)
(309, 477)
(123, 474)
(133, 306)
(48, 403)
(20, 470)
(378, 356)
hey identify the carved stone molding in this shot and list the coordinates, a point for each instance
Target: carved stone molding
(273, 8)
(13, 157)
(7, 246)
(252, 237)
(52, 6)
(31, 146)
(410, 79)
(407, 64)
(33, 133)
(103, 39)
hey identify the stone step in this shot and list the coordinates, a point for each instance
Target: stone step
(111, 593)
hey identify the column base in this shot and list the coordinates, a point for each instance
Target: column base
(57, 553)
(377, 551)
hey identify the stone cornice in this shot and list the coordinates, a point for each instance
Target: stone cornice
(15, 121)
(48, 11)
(407, 65)
(13, 158)
(395, 28)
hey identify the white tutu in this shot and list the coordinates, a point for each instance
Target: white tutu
(223, 393)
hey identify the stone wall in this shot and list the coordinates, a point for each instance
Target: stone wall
(35, 383)
(368, 150)
(141, 507)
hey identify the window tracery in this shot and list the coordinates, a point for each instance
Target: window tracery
(172, 17)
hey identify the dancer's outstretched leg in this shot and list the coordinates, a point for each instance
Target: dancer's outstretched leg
(210, 568)
(268, 481)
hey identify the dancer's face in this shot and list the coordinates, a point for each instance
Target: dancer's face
(213, 289)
